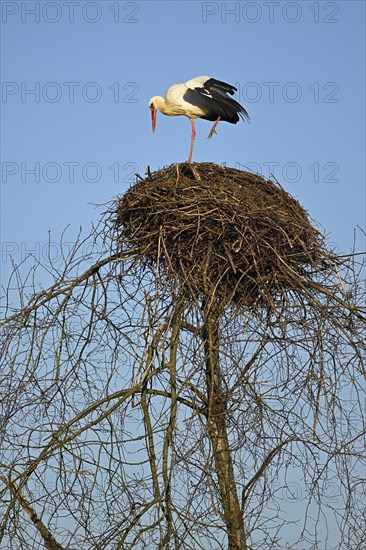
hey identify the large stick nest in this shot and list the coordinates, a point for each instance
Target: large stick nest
(219, 231)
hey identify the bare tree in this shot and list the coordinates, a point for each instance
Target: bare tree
(199, 386)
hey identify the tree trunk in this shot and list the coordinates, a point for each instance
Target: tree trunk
(217, 432)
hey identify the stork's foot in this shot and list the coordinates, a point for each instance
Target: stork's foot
(213, 129)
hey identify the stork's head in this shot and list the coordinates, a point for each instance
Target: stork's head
(155, 103)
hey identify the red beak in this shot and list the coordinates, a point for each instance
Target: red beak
(153, 119)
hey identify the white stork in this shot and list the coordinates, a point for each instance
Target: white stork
(200, 97)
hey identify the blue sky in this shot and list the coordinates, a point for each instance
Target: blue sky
(85, 129)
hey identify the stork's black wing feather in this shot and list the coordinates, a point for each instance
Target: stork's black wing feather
(212, 98)
(219, 86)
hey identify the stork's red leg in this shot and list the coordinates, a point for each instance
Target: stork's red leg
(192, 141)
(213, 129)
